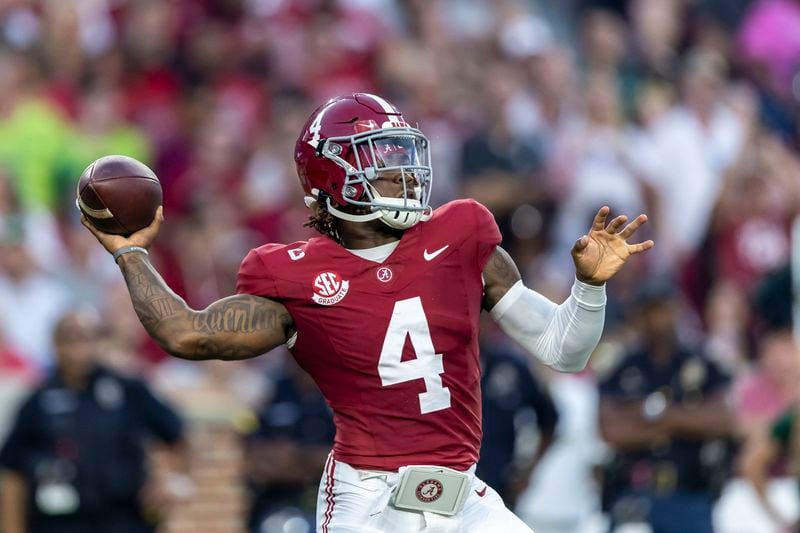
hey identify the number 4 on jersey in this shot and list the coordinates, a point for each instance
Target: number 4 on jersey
(408, 319)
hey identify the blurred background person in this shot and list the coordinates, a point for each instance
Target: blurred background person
(766, 402)
(512, 395)
(769, 386)
(663, 411)
(764, 451)
(76, 459)
(286, 453)
(31, 299)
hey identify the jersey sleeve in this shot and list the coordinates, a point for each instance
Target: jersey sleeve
(254, 278)
(486, 233)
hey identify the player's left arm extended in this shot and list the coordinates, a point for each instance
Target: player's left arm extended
(564, 335)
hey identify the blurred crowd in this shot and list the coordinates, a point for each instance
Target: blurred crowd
(687, 110)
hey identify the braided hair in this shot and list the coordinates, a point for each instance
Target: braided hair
(322, 221)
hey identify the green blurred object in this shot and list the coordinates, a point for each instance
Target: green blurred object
(46, 154)
(32, 138)
(83, 149)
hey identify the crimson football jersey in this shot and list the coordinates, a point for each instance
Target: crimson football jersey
(393, 346)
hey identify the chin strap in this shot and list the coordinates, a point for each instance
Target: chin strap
(394, 218)
(350, 217)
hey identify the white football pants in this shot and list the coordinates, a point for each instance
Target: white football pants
(357, 501)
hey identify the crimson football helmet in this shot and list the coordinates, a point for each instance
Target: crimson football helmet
(347, 143)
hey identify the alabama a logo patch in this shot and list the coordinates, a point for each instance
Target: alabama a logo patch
(329, 288)
(429, 491)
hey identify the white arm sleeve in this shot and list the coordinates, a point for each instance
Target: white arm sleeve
(561, 336)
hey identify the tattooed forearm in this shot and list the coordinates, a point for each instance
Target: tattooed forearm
(499, 275)
(245, 315)
(152, 299)
(236, 327)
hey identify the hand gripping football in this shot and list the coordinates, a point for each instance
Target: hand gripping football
(119, 194)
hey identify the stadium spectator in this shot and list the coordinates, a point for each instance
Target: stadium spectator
(771, 388)
(287, 452)
(762, 454)
(664, 413)
(511, 395)
(684, 153)
(754, 212)
(591, 164)
(727, 316)
(31, 300)
(17, 377)
(33, 132)
(75, 460)
(568, 470)
(768, 41)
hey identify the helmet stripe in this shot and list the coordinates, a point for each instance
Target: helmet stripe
(384, 104)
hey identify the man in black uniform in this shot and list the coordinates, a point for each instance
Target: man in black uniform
(509, 391)
(663, 410)
(286, 454)
(75, 460)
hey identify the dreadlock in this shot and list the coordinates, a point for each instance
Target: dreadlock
(322, 221)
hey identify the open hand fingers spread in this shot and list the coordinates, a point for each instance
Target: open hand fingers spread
(641, 247)
(599, 222)
(616, 224)
(631, 228)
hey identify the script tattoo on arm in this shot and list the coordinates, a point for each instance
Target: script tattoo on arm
(236, 327)
(499, 275)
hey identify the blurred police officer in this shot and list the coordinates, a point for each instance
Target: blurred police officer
(511, 397)
(75, 460)
(663, 410)
(286, 454)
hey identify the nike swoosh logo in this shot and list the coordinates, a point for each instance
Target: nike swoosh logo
(431, 256)
(481, 492)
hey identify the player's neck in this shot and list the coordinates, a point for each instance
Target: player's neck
(362, 235)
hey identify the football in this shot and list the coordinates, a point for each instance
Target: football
(119, 194)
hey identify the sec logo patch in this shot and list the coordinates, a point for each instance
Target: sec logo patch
(329, 288)
(429, 490)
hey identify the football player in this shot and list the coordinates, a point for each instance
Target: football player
(382, 311)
